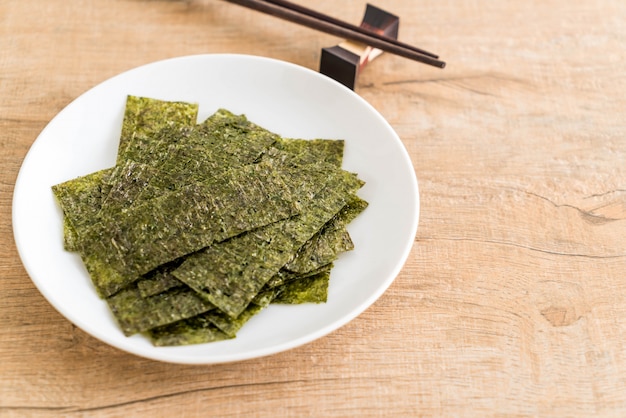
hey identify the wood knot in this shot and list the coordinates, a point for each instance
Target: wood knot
(561, 303)
(560, 316)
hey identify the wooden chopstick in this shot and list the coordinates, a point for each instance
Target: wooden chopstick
(334, 21)
(309, 18)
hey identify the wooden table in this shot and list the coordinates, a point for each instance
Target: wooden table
(512, 301)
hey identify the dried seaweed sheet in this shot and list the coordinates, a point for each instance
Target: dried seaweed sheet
(263, 298)
(128, 244)
(82, 197)
(196, 330)
(231, 273)
(157, 284)
(236, 135)
(154, 149)
(230, 326)
(143, 117)
(333, 239)
(136, 314)
(312, 289)
(285, 275)
(206, 153)
(80, 200)
(311, 151)
(159, 280)
(293, 288)
(220, 213)
(126, 183)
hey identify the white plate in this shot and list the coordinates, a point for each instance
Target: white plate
(288, 99)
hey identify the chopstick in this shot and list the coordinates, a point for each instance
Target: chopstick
(332, 20)
(315, 20)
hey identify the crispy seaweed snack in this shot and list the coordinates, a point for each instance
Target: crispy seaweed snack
(200, 226)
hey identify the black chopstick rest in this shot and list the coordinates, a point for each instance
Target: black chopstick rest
(345, 61)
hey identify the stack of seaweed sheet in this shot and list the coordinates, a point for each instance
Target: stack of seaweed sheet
(199, 226)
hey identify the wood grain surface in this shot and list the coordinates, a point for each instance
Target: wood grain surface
(513, 299)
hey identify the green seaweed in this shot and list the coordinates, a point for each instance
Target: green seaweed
(231, 273)
(194, 161)
(144, 117)
(196, 330)
(333, 239)
(159, 280)
(224, 141)
(80, 200)
(312, 289)
(312, 151)
(125, 245)
(137, 314)
(126, 183)
(230, 326)
(285, 275)
(198, 227)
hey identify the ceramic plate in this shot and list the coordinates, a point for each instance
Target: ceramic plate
(288, 99)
